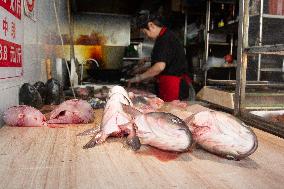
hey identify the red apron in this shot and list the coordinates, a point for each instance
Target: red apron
(169, 86)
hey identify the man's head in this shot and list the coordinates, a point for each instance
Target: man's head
(149, 24)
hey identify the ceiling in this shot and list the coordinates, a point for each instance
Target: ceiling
(127, 7)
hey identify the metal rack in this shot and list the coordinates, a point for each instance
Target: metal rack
(229, 29)
(267, 49)
(244, 50)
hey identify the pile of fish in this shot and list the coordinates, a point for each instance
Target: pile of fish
(148, 120)
(69, 112)
(84, 93)
(173, 126)
(158, 129)
(39, 94)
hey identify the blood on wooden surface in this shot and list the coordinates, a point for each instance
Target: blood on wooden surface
(161, 155)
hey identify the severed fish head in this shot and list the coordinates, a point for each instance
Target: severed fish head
(222, 134)
(24, 115)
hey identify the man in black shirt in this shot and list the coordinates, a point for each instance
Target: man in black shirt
(168, 59)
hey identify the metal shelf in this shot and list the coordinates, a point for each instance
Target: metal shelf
(229, 29)
(253, 84)
(225, 65)
(271, 70)
(266, 49)
(269, 16)
(233, 82)
(219, 43)
(226, 29)
(273, 16)
(132, 58)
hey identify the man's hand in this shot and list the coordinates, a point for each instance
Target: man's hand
(135, 79)
(156, 69)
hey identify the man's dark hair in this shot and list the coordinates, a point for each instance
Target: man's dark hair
(144, 17)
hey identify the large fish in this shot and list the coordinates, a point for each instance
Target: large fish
(158, 129)
(24, 116)
(73, 111)
(222, 134)
(112, 118)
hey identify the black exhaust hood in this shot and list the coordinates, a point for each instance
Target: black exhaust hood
(123, 7)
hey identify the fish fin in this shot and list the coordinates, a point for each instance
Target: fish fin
(231, 157)
(130, 110)
(92, 143)
(134, 142)
(89, 132)
(188, 119)
(97, 139)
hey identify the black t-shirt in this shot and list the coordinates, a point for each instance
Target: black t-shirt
(168, 49)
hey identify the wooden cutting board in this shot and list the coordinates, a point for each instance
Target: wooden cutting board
(54, 158)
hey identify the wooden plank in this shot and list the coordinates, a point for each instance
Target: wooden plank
(216, 96)
(54, 158)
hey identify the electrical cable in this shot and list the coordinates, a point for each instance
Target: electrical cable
(62, 45)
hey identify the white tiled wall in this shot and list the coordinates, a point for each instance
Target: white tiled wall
(116, 28)
(36, 35)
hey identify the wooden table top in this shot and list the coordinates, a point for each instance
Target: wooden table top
(53, 158)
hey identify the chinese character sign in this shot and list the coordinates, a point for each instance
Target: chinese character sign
(29, 7)
(14, 7)
(11, 38)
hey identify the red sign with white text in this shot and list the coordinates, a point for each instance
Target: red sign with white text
(12, 6)
(11, 39)
(10, 54)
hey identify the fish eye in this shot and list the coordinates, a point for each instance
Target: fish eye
(176, 120)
